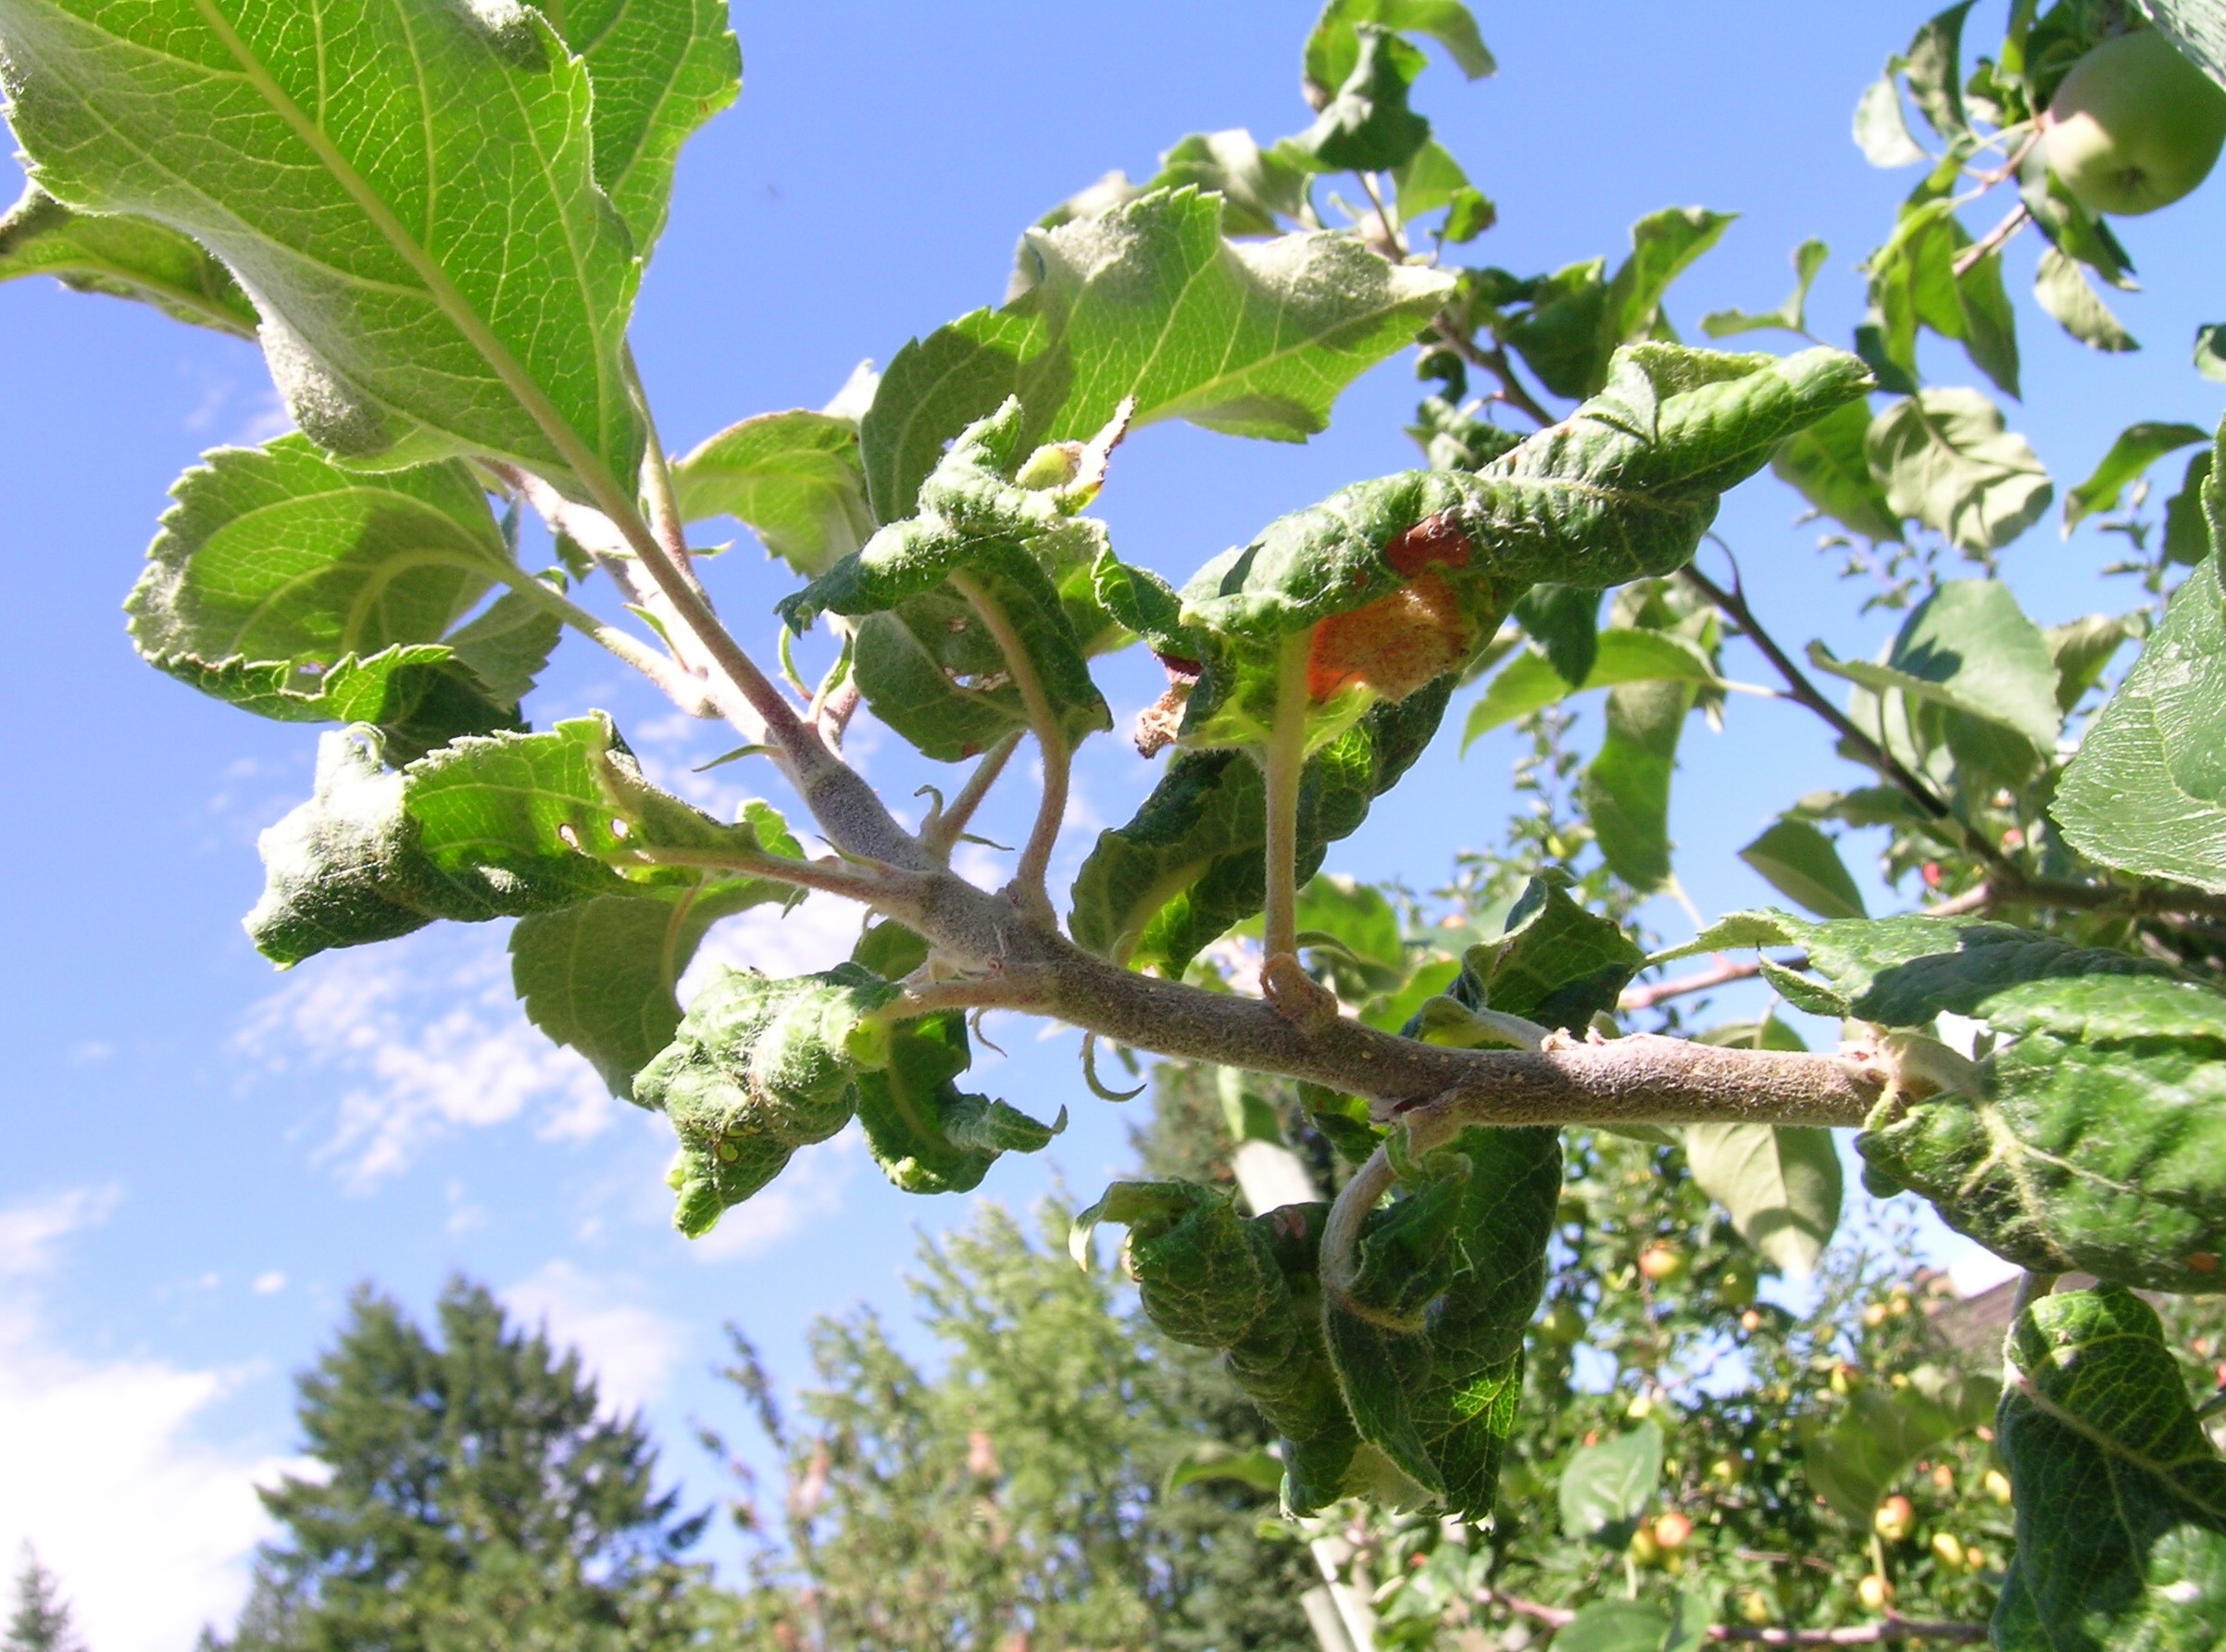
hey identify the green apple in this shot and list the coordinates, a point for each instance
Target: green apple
(2134, 126)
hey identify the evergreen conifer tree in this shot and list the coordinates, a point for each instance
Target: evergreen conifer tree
(477, 1495)
(40, 1621)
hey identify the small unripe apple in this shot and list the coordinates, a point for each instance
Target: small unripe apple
(1975, 1558)
(1943, 1478)
(1755, 1608)
(1895, 1519)
(1997, 1485)
(1663, 1263)
(1728, 1470)
(1875, 1593)
(1845, 1380)
(1947, 1549)
(1874, 1315)
(1563, 1323)
(1672, 1531)
(2134, 126)
(1735, 1285)
(1750, 1321)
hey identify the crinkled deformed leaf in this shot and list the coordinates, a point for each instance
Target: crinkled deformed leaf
(1529, 681)
(1188, 863)
(1150, 301)
(2075, 1149)
(125, 258)
(1556, 963)
(759, 1068)
(1904, 971)
(1779, 1182)
(927, 1134)
(300, 591)
(793, 479)
(660, 68)
(1854, 1462)
(1428, 1343)
(487, 827)
(986, 554)
(2120, 1498)
(1407, 576)
(1946, 458)
(600, 975)
(2146, 792)
(1213, 1279)
(406, 190)
(1366, 125)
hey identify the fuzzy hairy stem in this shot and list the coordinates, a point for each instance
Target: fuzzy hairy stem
(948, 824)
(1051, 742)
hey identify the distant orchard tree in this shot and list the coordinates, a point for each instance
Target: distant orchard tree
(40, 1621)
(475, 1493)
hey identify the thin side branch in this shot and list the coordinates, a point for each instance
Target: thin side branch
(1888, 1630)
(948, 824)
(1992, 241)
(1051, 742)
(1721, 973)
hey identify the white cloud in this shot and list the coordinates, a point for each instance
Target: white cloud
(423, 1037)
(268, 1285)
(148, 1527)
(631, 1349)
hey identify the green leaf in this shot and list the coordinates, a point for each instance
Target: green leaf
(125, 258)
(2065, 293)
(1790, 317)
(1803, 865)
(1902, 971)
(1935, 71)
(759, 1068)
(1881, 131)
(1827, 465)
(1334, 46)
(2145, 793)
(1781, 1183)
(660, 70)
(1578, 316)
(1946, 458)
(1259, 186)
(275, 555)
(2083, 651)
(1615, 1626)
(2186, 528)
(1188, 863)
(793, 479)
(1969, 663)
(408, 192)
(1366, 952)
(2089, 1144)
(600, 975)
(2120, 1497)
(1259, 1469)
(1556, 963)
(1150, 301)
(484, 828)
(1366, 125)
(302, 592)
(2210, 351)
(1452, 440)
(1564, 621)
(927, 1134)
(1853, 1463)
(1625, 791)
(2138, 446)
(1605, 1487)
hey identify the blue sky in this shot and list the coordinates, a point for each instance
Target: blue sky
(203, 1157)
